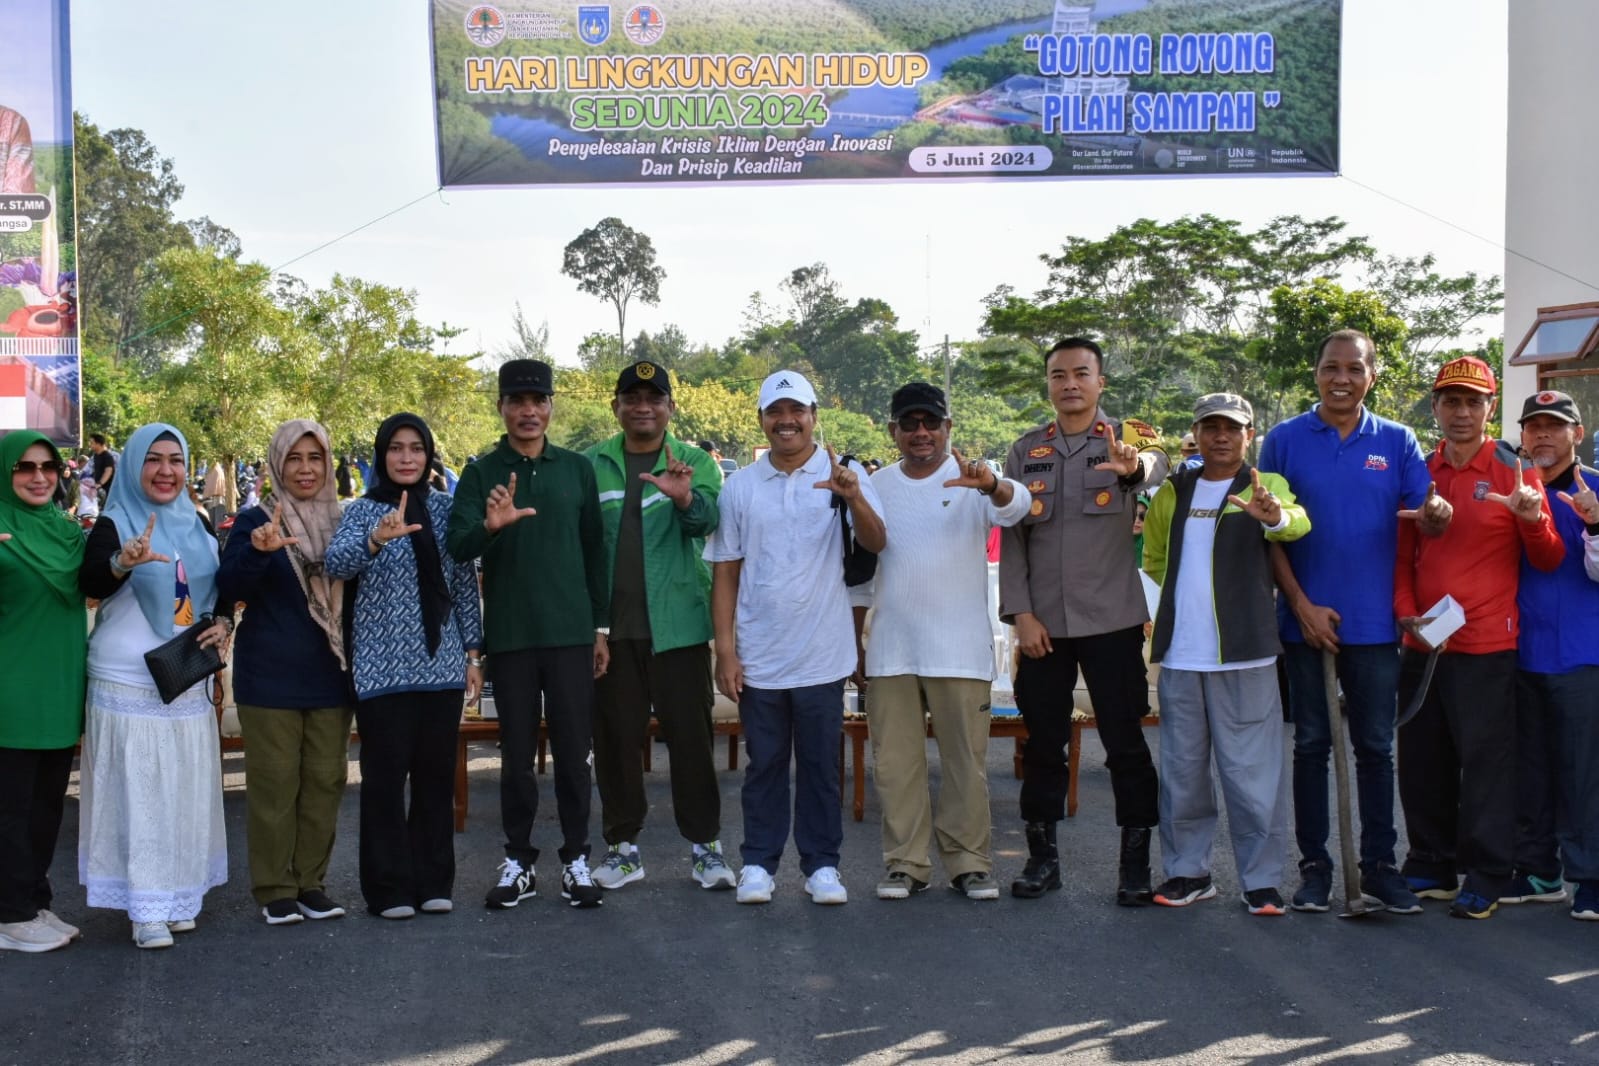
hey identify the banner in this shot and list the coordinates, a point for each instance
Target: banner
(39, 371)
(545, 92)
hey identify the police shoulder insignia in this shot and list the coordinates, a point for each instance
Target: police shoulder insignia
(1050, 432)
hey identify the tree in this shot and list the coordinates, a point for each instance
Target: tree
(616, 263)
(529, 342)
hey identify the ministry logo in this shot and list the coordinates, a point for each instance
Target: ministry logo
(485, 26)
(644, 24)
(593, 23)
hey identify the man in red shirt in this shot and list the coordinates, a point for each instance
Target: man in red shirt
(1457, 755)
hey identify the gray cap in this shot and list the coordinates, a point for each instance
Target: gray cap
(1227, 405)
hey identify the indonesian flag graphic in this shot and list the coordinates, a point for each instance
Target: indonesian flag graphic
(13, 395)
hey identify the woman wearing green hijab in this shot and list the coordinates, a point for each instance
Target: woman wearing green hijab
(41, 705)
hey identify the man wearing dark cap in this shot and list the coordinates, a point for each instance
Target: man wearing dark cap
(658, 499)
(932, 647)
(1557, 687)
(1457, 758)
(1069, 584)
(531, 510)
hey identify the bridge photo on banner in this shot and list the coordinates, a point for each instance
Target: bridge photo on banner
(544, 92)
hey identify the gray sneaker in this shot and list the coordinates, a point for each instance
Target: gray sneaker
(899, 885)
(976, 884)
(622, 865)
(34, 935)
(711, 870)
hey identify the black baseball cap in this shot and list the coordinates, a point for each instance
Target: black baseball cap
(526, 375)
(644, 372)
(918, 396)
(1557, 404)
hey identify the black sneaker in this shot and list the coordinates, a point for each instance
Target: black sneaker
(577, 884)
(315, 904)
(1315, 886)
(282, 912)
(1384, 885)
(516, 884)
(1266, 901)
(1181, 891)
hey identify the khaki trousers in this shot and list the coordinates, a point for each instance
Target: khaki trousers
(958, 708)
(295, 765)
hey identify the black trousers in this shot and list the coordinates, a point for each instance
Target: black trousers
(1457, 769)
(1112, 664)
(408, 854)
(557, 684)
(677, 684)
(33, 789)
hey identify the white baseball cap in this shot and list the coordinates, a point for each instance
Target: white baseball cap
(786, 385)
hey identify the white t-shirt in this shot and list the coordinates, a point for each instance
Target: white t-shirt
(931, 588)
(1195, 642)
(792, 619)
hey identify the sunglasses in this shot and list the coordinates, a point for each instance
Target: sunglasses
(911, 423)
(29, 467)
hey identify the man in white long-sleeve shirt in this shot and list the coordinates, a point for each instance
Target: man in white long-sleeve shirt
(931, 649)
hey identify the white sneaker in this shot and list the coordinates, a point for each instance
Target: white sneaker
(66, 929)
(439, 905)
(754, 885)
(823, 886)
(151, 935)
(33, 936)
(397, 914)
(182, 925)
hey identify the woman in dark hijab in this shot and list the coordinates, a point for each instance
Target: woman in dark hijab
(416, 639)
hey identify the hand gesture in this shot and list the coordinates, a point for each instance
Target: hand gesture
(1585, 502)
(269, 538)
(1434, 514)
(392, 526)
(1526, 502)
(1261, 505)
(500, 509)
(840, 479)
(1122, 458)
(974, 475)
(676, 482)
(136, 552)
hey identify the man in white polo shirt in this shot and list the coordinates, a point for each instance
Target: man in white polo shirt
(784, 638)
(932, 649)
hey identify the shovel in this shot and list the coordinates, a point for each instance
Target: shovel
(1355, 905)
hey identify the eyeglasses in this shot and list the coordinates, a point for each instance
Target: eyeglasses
(912, 422)
(29, 467)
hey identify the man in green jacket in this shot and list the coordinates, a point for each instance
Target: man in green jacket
(658, 499)
(531, 511)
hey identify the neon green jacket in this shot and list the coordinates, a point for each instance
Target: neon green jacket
(677, 582)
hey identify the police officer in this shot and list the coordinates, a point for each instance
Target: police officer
(1068, 582)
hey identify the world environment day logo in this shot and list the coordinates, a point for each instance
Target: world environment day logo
(593, 23)
(485, 25)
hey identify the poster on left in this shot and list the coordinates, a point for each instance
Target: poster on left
(40, 382)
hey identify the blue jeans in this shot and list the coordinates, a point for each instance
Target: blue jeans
(806, 724)
(1369, 674)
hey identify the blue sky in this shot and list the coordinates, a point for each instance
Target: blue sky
(294, 122)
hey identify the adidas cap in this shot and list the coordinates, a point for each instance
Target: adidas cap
(786, 385)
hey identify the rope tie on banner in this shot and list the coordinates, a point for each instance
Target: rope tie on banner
(188, 311)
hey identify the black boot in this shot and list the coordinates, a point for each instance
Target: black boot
(1132, 887)
(1042, 872)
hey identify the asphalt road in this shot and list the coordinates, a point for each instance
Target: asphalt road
(665, 972)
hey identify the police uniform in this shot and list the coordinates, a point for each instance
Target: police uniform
(1071, 564)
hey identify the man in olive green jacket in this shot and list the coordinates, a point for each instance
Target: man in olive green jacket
(658, 500)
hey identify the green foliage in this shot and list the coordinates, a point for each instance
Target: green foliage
(615, 262)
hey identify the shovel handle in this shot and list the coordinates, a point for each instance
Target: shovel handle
(1346, 829)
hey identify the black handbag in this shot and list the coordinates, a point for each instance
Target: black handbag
(860, 565)
(181, 662)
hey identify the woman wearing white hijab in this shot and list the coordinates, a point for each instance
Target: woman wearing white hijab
(290, 675)
(151, 840)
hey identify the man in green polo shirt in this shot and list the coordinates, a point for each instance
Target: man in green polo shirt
(531, 511)
(658, 497)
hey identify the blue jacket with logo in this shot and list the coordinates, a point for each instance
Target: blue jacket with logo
(1560, 609)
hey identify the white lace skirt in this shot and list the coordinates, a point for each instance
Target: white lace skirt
(151, 840)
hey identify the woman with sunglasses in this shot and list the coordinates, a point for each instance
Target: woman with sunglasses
(416, 635)
(41, 707)
(151, 840)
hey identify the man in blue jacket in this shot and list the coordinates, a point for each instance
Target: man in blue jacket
(1557, 685)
